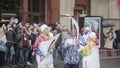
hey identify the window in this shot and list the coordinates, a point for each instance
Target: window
(36, 5)
(10, 5)
(36, 19)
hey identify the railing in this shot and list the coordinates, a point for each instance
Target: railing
(105, 55)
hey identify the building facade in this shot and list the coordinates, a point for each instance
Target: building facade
(74, 8)
(109, 10)
(32, 11)
(54, 11)
(49, 11)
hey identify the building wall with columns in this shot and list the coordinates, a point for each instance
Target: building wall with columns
(66, 10)
(109, 10)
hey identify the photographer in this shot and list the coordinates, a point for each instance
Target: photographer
(23, 46)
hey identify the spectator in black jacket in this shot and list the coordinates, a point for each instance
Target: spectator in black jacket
(10, 36)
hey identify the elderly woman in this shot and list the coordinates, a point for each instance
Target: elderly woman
(90, 52)
(43, 60)
(70, 49)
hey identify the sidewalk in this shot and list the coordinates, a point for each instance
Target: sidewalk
(110, 63)
(104, 63)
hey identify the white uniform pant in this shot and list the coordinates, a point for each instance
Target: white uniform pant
(92, 61)
(47, 62)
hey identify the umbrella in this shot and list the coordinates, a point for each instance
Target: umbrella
(108, 25)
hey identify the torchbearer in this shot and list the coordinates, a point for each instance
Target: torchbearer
(43, 48)
(90, 52)
(70, 46)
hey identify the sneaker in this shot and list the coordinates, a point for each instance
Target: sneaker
(28, 63)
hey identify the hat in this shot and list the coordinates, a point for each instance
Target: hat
(92, 35)
(43, 27)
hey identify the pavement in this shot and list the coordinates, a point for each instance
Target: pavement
(110, 63)
(104, 63)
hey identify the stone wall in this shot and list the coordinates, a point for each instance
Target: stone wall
(109, 10)
(66, 10)
(100, 8)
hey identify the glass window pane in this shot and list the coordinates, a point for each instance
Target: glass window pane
(10, 5)
(29, 5)
(36, 6)
(36, 19)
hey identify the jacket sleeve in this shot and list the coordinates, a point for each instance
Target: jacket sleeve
(36, 44)
(18, 37)
(63, 43)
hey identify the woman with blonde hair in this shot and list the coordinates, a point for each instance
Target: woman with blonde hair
(43, 60)
(65, 31)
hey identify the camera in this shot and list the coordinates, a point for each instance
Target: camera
(24, 31)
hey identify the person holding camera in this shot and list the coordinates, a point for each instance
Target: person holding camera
(23, 46)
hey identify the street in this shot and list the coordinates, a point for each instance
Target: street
(110, 63)
(105, 63)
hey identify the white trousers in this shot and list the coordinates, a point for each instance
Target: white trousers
(92, 61)
(47, 62)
